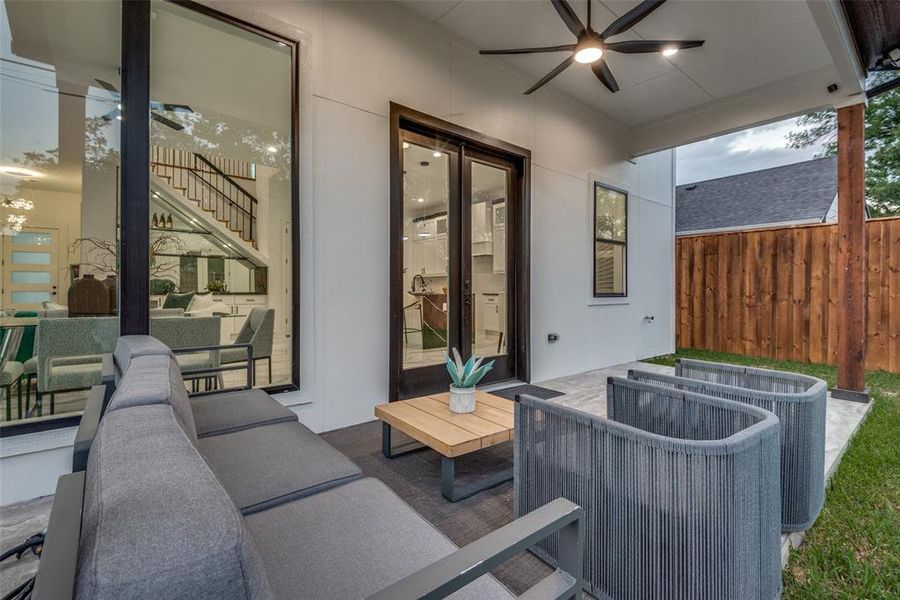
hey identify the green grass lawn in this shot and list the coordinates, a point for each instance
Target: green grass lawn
(853, 550)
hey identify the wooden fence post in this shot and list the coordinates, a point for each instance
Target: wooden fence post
(851, 359)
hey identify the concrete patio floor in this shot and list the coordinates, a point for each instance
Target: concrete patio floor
(583, 391)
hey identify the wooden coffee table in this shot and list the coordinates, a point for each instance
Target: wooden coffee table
(428, 420)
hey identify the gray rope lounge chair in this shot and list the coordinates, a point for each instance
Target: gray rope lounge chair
(680, 491)
(799, 403)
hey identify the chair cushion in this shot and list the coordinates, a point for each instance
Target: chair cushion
(233, 355)
(11, 371)
(69, 375)
(155, 379)
(371, 539)
(157, 523)
(227, 412)
(30, 365)
(195, 362)
(266, 466)
(130, 346)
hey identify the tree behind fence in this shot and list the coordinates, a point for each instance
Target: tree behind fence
(773, 293)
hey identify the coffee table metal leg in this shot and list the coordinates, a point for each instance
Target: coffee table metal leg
(454, 494)
(386, 443)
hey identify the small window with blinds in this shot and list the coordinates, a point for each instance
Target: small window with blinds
(610, 242)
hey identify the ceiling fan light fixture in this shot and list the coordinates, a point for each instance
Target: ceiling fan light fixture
(19, 172)
(588, 53)
(670, 51)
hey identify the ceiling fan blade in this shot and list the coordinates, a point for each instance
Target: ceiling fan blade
(601, 70)
(631, 18)
(562, 67)
(183, 108)
(166, 122)
(568, 16)
(643, 46)
(564, 47)
(107, 86)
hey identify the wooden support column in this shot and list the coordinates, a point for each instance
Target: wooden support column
(851, 359)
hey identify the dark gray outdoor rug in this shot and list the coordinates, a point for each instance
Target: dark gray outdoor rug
(531, 390)
(416, 478)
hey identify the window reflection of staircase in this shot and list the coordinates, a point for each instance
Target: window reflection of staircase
(210, 183)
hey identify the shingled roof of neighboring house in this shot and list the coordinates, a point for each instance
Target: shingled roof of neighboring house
(798, 193)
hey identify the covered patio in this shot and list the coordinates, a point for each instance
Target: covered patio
(445, 188)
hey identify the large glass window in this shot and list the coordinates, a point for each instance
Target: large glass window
(59, 173)
(610, 241)
(221, 192)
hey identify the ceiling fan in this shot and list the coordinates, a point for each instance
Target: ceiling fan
(591, 46)
(154, 106)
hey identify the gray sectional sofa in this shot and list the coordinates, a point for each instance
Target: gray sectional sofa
(228, 496)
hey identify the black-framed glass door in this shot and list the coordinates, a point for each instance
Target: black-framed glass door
(455, 260)
(487, 265)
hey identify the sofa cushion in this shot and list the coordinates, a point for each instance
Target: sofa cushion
(131, 346)
(155, 379)
(266, 466)
(157, 523)
(373, 540)
(228, 412)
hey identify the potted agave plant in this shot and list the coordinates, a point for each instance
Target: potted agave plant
(465, 377)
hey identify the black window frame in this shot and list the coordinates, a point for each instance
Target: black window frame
(134, 185)
(595, 240)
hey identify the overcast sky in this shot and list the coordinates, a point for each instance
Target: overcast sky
(749, 150)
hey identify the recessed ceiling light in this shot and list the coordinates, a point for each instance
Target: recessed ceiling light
(405, 145)
(670, 52)
(420, 200)
(405, 238)
(424, 234)
(119, 117)
(119, 106)
(437, 154)
(272, 149)
(20, 172)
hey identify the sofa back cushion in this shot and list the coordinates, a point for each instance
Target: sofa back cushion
(157, 523)
(132, 346)
(155, 379)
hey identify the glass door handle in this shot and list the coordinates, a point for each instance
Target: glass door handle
(467, 301)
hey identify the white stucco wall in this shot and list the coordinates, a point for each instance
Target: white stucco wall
(356, 59)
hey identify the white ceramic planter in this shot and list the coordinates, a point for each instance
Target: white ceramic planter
(462, 400)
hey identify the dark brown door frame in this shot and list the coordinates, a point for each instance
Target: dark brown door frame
(518, 233)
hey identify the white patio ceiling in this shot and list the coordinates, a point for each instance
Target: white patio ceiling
(762, 60)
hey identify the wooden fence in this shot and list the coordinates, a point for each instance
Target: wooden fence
(773, 293)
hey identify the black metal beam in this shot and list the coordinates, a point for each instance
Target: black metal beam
(134, 244)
